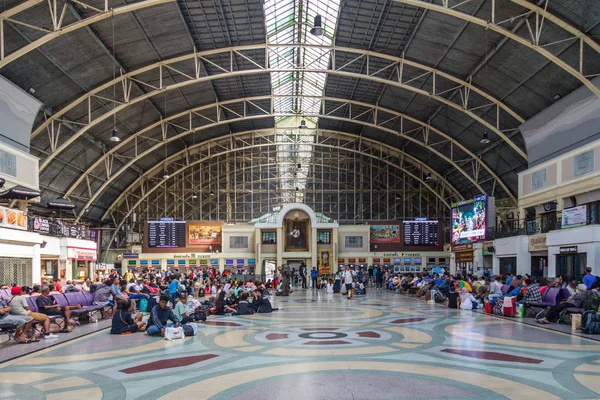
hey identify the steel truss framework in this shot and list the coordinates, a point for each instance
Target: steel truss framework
(387, 121)
(242, 61)
(223, 112)
(535, 18)
(56, 11)
(350, 179)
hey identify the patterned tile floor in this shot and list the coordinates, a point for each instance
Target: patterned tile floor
(382, 346)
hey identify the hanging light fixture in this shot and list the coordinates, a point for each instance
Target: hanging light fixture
(317, 29)
(194, 196)
(212, 193)
(485, 139)
(115, 136)
(302, 125)
(166, 174)
(428, 176)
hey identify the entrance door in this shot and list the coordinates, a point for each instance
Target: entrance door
(571, 265)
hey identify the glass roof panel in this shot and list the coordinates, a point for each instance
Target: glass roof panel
(290, 22)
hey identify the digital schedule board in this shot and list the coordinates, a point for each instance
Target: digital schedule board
(420, 233)
(166, 234)
(468, 220)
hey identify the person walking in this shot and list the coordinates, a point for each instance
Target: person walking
(348, 279)
(313, 275)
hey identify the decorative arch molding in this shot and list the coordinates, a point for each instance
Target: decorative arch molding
(285, 210)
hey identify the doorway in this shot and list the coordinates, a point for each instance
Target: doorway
(571, 265)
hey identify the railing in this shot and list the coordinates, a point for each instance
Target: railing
(532, 227)
(60, 228)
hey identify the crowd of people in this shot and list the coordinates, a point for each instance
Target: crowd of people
(151, 302)
(468, 292)
(136, 301)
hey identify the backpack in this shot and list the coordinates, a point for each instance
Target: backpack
(144, 305)
(590, 323)
(591, 301)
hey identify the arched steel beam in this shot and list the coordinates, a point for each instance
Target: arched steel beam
(380, 116)
(393, 63)
(158, 145)
(56, 16)
(227, 139)
(229, 151)
(535, 32)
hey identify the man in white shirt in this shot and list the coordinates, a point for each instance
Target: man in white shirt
(348, 279)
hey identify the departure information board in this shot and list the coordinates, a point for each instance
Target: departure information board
(166, 233)
(420, 233)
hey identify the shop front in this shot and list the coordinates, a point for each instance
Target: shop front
(539, 255)
(50, 258)
(571, 262)
(80, 263)
(463, 258)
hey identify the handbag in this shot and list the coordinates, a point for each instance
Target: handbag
(172, 333)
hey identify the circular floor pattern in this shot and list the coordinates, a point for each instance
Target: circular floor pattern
(356, 385)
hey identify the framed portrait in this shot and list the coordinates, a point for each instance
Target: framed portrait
(296, 235)
(325, 261)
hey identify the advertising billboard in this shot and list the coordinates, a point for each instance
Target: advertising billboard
(203, 233)
(468, 220)
(385, 233)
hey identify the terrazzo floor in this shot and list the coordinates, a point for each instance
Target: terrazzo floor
(380, 346)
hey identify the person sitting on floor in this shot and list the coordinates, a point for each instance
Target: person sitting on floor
(466, 300)
(47, 305)
(220, 307)
(452, 299)
(185, 310)
(261, 304)
(160, 316)
(22, 323)
(123, 323)
(19, 306)
(243, 306)
(575, 301)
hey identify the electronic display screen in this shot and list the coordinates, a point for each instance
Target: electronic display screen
(420, 233)
(468, 220)
(166, 233)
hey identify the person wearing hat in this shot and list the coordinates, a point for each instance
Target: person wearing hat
(18, 305)
(575, 301)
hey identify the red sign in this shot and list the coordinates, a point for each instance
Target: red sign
(386, 260)
(352, 260)
(362, 260)
(376, 260)
(340, 260)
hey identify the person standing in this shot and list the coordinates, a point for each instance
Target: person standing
(348, 279)
(303, 276)
(313, 275)
(378, 278)
(589, 279)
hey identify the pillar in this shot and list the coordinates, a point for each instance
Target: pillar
(36, 265)
(279, 247)
(313, 248)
